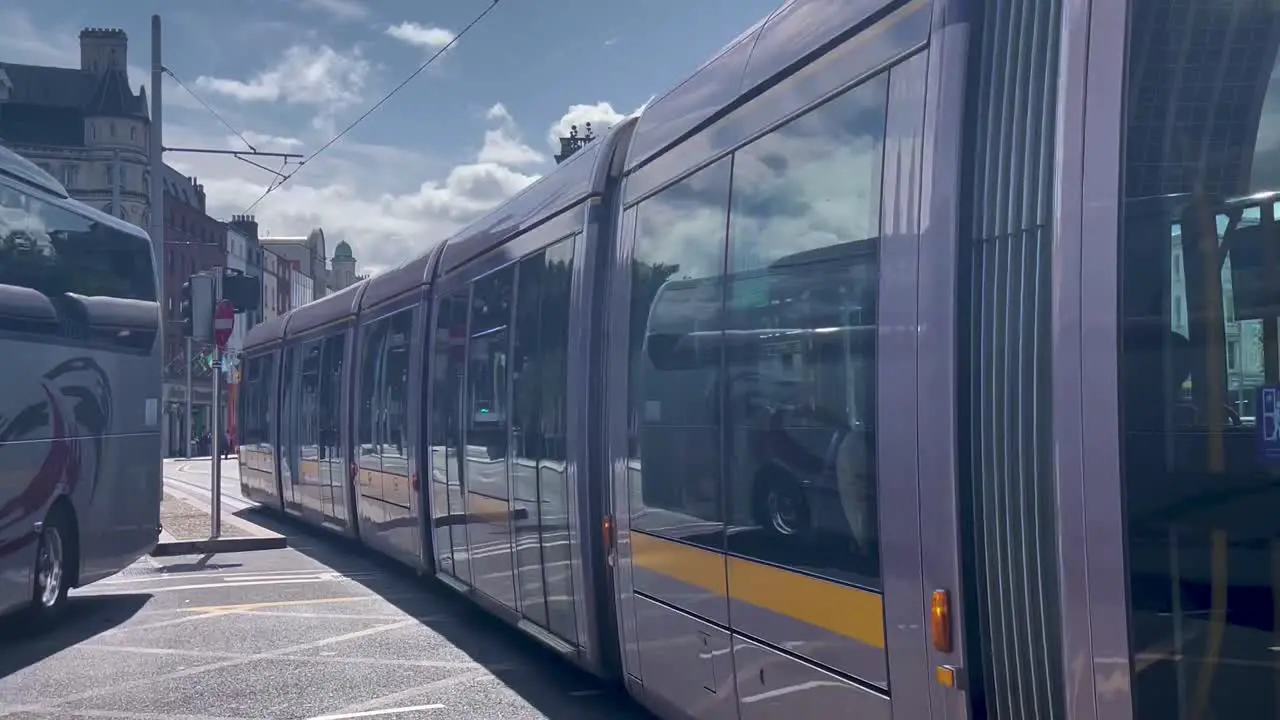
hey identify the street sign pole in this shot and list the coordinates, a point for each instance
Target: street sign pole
(219, 342)
(188, 437)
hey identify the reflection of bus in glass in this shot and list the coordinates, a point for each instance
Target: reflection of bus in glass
(1202, 339)
(79, 416)
(792, 366)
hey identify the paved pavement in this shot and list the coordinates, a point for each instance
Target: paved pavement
(318, 630)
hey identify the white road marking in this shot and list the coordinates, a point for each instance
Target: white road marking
(197, 669)
(415, 692)
(321, 658)
(109, 714)
(206, 586)
(232, 575)
(375, 713)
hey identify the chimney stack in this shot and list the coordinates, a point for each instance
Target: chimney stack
(246, 225)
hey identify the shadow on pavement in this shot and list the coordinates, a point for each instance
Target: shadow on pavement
(202, 564)
(85, 617)
(541, 677)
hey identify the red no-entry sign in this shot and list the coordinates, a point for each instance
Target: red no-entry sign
(224, 321)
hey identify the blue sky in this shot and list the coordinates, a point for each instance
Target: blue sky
(473, 129)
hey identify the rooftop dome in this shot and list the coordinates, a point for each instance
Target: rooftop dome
(343, 251)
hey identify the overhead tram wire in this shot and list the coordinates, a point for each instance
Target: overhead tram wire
(303, 163)
(209, 107)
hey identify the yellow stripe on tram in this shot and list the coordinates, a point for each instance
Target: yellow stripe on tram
(840, 609)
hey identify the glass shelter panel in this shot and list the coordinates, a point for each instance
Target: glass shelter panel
(1200, 361)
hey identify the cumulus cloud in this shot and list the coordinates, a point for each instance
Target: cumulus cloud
(502, 145)
(389, 203)
(601, 116)
(423, 36)
(322, 77)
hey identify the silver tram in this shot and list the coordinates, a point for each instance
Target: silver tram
(909, 359)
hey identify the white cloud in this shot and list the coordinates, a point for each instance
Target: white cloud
(423, 36)
(389, 203)
(601, 116)
(272, 143)
(320, 76)
(340, 9)
(23, 42)
(503, 145)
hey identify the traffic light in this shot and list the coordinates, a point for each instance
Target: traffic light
(184, 308)
(244, 291)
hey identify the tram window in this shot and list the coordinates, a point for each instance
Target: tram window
(539, 426)
(309, 400)
(800, 340)
(674, 409)
(331, 396)
(252, 414)
(395, 391)
(256, 427)
(487, 367)
(372, 337)
(446, 371)
(1200, 357)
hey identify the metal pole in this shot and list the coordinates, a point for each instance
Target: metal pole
(156, 156)
(187, 434)
(156, 225)
(215, 426)
(215, 499)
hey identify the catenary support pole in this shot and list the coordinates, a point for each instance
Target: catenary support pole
(155, 220)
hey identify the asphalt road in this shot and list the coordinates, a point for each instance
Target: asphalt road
(318, 630)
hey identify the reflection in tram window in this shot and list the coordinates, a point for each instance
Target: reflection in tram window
(332, 467)
(676, 298)
(446, 373)
(1201, 358)
(540, 429)
(803, 247)
(391, 410)
(489, 532)
(373, 337)
(309, 425)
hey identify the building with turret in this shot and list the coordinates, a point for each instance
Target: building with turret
(84, 125)
(343, 268)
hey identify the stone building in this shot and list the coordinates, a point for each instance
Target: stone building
(84, 125)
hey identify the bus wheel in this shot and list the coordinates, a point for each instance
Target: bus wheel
(52, 577)
(787, 508)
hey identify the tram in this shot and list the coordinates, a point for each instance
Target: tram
(911, 359)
